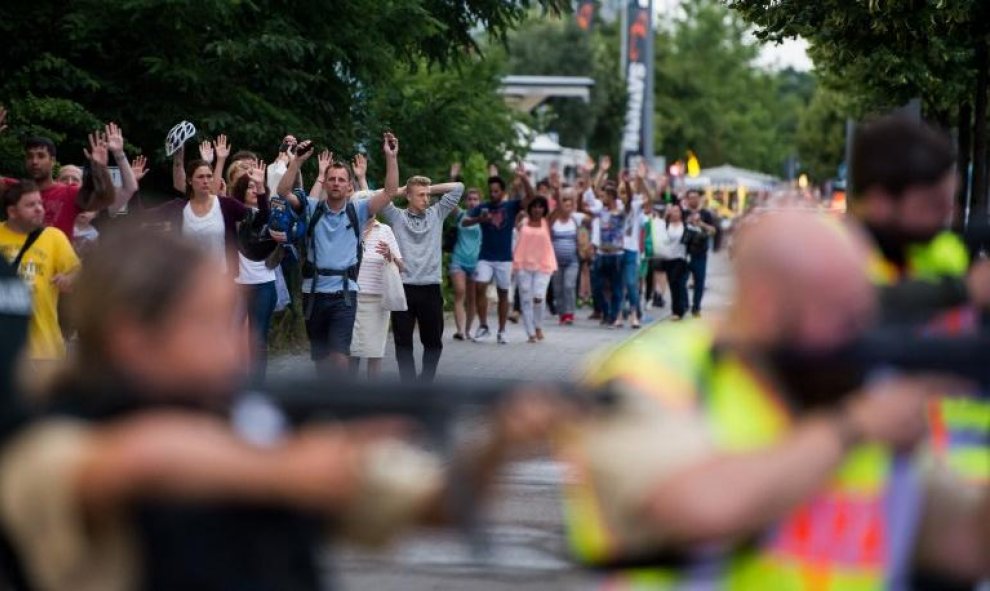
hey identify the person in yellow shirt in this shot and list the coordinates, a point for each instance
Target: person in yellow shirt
(44, 259)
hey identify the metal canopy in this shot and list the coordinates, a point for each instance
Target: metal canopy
(525, 93)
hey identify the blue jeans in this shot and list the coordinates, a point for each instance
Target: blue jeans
(698, 267)
(260, 307)
(610, 271)
(630, 280)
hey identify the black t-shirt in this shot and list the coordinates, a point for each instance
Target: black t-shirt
(708, 218)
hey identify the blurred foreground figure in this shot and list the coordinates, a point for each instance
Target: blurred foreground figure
(729, 462)
(134, 478)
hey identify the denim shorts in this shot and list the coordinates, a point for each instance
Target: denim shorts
(458, 268)
(331, 324)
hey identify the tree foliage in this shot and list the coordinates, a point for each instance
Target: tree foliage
(253, 69)
(558, 47)
(881, 53)
(713, 100)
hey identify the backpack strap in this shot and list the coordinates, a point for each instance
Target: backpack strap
(310, 243)
(31, 239)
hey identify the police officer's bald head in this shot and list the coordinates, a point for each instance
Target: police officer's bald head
(801, 278)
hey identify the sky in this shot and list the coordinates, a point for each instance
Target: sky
(792, 52)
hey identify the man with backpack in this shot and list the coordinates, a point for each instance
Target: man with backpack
(44, 259)
(332, 246)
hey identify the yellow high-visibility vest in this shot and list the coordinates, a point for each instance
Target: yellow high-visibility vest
(842, 539)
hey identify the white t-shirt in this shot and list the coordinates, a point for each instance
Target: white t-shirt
(370, 279)
(253, 272)
(667, 241)
(207, 231)
(276, 170)
(633, 225)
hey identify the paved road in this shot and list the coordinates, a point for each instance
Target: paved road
(528, 550)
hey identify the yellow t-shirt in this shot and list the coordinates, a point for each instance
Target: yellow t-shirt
(50, 255)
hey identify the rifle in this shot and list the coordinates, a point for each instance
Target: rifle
(433, 406)
(436, 406)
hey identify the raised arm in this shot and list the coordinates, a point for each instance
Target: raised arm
(604, 164)
(129, 186)
(324, 160)
(360, 167)
(179, 170)
(222, 149)
(103, 193)
(390, 146)
(642, 187)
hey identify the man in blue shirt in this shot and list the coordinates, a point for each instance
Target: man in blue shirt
(497, 219)
(330, 278)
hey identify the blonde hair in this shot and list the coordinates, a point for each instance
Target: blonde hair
(418, 181)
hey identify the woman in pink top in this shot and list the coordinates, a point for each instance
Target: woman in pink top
(533, 262)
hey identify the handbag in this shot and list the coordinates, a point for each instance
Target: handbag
(393, 292)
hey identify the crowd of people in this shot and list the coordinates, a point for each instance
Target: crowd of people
(594, 239)
(730, 454)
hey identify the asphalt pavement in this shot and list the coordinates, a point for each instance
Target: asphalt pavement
(524, 526)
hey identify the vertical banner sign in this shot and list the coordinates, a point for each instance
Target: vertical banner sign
(586, 14)
(637, 137)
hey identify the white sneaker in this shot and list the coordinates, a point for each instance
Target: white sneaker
(501, 339)
(482, 333)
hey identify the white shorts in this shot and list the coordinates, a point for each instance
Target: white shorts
(370, 327)
(501, 271)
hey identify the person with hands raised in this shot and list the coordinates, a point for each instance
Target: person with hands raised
(497, 218)
(323, 164)
(63, 203)
(333, 249)
(209, 219)
(129, 184)
(256, 278)
(419, 233)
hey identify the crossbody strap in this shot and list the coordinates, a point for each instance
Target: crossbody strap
(31, 238)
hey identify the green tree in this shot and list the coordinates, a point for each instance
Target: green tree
(558, 47)
(821, 135)
(881, 54)
(710, 98)
(254, 70)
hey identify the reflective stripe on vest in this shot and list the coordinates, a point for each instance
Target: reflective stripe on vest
(837, 540)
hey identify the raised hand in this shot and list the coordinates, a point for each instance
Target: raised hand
(222, 147)
(325, 159)
(641, 170)
(360, 165)
(455, 170)
(3, 118)
(492, 170)
(390, 144)
(605, 163)
(97, 152)
(114, 137)
(520, 170)
(257, 174)
(139, 167)
(206, 151)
